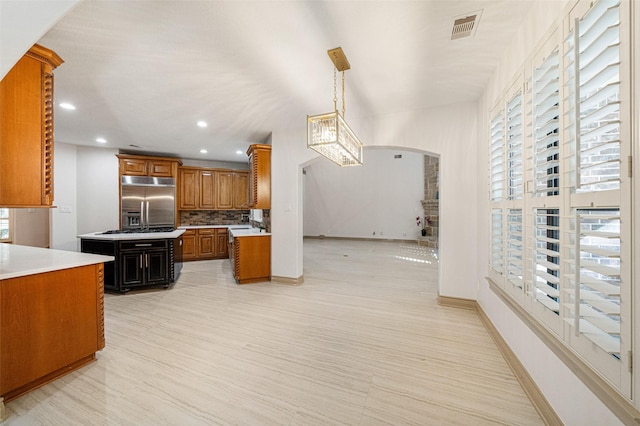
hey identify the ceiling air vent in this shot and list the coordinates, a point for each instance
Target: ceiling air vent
(465, 25)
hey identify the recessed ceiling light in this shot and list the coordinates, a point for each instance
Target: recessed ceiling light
(238, 152)
(202, 123)
(67, 105)
(101, 140)
(203, 151)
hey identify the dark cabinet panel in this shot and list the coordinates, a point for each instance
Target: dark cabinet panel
(132, 268)
(138, 262)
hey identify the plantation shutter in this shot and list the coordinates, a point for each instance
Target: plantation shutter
(546, 156)
(496, 160)
(497, 242)
(546, 274)
(514, 147)
(514, 247)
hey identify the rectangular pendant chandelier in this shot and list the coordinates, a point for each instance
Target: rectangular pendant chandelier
(329, 135)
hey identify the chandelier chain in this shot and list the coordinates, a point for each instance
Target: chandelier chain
(335, 91)
(343, 103)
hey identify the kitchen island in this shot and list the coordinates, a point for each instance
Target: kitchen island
(51, 315)
(250, 255)
(140, 258)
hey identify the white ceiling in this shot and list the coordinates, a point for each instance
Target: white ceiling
(144, 72)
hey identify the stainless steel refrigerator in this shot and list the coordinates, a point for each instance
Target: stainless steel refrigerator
(148, 203)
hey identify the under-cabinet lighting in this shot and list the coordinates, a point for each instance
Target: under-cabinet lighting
(101, 140)
(202, 123)
(203, 151)
(239, 152)
(67, 105)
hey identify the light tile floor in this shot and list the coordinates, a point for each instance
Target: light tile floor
(361, 342)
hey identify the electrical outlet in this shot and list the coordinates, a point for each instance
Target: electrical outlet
(65, 209)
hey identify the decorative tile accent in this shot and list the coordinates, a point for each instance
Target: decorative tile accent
(213, 217)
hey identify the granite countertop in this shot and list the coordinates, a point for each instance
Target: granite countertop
(19, 261)
(134, 236)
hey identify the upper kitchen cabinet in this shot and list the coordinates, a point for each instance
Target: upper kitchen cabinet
(241, 190)
(139, 165)
(225, 190)
(260, 182)
(212, 189)
(26, 130)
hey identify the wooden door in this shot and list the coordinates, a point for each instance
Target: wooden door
(160, 168)
(133, 167)
(207, 189)
(189, 248)
(225, 190)
(132, 265)
(206, 243)
(241, 190)
(188, 189)
(222, 238)
(156, 266)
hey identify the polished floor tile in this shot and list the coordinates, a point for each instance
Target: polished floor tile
(361, 342)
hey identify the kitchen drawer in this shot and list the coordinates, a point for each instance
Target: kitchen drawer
(206, 231)
(146, 244)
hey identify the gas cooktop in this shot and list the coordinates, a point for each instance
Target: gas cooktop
(138, 231)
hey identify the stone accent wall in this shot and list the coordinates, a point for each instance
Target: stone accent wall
(213, 217)
(431, 203)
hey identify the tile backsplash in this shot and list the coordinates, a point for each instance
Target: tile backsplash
(213, 217)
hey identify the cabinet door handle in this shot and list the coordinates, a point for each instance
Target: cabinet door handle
(141, 264)
(146, 260)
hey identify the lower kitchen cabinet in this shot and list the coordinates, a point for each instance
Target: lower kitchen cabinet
(51, 324)
(138, 262)
(205, 244)
(144, 263)
(251, 258)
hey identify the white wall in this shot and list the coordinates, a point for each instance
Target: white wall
(85, 191)
(379, 199)
(449, 132)
(23, 23)
(97, 186)
(64, 225)
(31, 227)
(572, 400)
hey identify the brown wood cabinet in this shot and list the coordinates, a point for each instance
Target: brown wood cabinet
(141, 165)
(212, 189)
(241, 191)
(188, 189)
(26, 130)
(204, 243)
(50, 324)
(260, 170)
(207, 189)
(222, 238)
(189, 245)
(225, 190)
(252, 259)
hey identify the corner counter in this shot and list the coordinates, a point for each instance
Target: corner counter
(51, 315)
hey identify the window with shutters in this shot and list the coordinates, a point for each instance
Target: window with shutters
(559, 213)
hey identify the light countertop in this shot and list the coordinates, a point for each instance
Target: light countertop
(19, 261)
(253, 232)
(135, 236)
